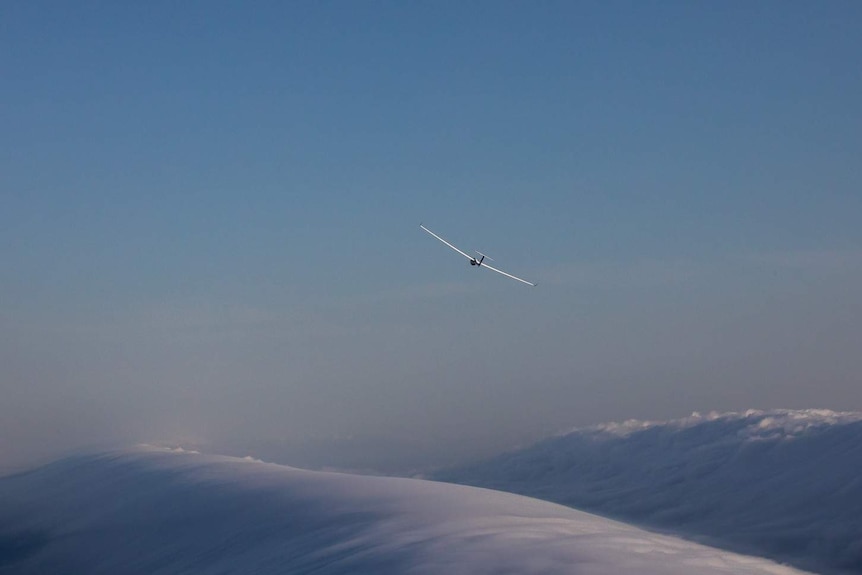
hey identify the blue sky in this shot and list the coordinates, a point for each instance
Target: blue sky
(210, 220)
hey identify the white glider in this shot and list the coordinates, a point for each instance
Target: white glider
(477, 262)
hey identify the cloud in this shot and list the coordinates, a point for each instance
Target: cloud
(781, 483)
(147, 509)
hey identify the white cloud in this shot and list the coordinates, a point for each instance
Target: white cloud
(783, 482)
(153, 509)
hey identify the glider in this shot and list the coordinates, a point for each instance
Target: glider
(477, 262)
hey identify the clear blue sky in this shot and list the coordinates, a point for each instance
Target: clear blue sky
(209, 224)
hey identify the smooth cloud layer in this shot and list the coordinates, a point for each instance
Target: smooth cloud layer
(154, 510)
(779, 483)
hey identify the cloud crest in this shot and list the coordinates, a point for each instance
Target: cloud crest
(779, 483)
(150, 509)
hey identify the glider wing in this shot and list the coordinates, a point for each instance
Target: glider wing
(484, 265)
(445, 242)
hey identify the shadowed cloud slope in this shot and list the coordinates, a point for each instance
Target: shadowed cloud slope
(158, 511)
(781, 483)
